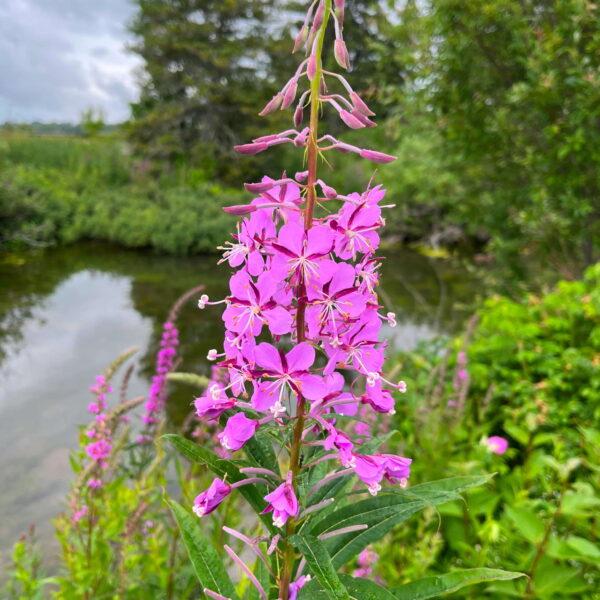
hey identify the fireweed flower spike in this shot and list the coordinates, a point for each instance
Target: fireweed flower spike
(307, 283)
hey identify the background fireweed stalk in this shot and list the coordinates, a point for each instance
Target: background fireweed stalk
(302, 370)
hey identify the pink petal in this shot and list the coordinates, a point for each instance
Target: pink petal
(312, 386)
(280, 320)
(320, 240)
(300, 358)
(291, 236)
(267, 356)
(239, 285)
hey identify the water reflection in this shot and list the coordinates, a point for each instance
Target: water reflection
(66, 313)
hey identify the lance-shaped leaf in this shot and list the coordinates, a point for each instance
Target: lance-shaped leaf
(438, 585)
(320, 564)
(222, 468)
(358, 588)
(384, 512)
(207, 565)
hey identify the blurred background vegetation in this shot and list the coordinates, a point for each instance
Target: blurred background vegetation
(491, 106)
(493, 109)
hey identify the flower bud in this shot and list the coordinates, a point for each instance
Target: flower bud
(318, 20)
(301, 176)
(300, 39)
(259, 188)
(364, 120)
(298, 116)
(207, 501)
(254, 148)
(378, 157)
(350, 119)
(360, 105)
(311, 68)
(329, 192)
(341, 54)
(323, 87)
(272, 106)
(240, 209)
(290, 94)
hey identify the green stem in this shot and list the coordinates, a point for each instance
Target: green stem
(311, 195)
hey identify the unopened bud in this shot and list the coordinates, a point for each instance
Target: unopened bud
(364, 120)
(300, 39)
(350, 119)
(202, 302)
(259, 188)
(290, 95)
(301, 176)
(323, 87)
(360, 105)
(378, 157)
(272, 106)
(252, 148)
(339, 11)
(298, 116)
(311, 68)
(341, 54)
(318, 20)
(329, 191)
(240, 209)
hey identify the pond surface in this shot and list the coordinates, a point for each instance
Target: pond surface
(66, 313)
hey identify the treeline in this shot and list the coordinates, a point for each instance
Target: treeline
(491, 105)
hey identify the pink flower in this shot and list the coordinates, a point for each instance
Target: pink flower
(99, 450)
(80, 514)
(290, 371)
(213, 403)
(238, 430)
(251, 306)
(297, 585)
(497, 444)
(207, 501)
(282, 501)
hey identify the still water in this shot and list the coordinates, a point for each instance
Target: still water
(66, 313)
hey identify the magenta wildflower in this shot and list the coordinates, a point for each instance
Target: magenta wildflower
(237, 432)
(207, 501)
(497, 444)
(282, 502)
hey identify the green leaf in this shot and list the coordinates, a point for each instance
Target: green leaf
(583, 547)
(198, 381)
(384, 512)
(358, 588)
(222, 468)
(380, 514)
(260, 449)
(207, 565)
(431, 587)
(527, 522)
(319, 561)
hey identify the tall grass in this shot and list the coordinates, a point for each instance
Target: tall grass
(56, 189)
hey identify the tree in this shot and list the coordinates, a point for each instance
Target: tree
(513, 87)
(202, 78)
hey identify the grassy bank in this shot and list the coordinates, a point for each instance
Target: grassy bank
(65, 189)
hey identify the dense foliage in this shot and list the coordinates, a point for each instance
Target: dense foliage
(62, 190)
(528, 372)
(512, 88)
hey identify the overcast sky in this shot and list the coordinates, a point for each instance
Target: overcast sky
(59, 57)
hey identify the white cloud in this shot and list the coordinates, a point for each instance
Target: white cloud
(59, 57)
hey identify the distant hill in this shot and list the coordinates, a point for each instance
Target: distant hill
(51, 128)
